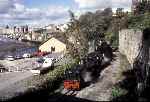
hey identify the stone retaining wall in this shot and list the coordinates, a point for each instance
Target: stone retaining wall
(130, 41)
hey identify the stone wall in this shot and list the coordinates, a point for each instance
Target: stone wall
(130, 41)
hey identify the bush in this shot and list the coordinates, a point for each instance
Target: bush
(141, 21)
(113, 38)
(117, 92)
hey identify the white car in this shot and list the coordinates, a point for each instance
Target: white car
(26, 55)
(35, 71)
(48, 62)
(10, 58)
(43, 64)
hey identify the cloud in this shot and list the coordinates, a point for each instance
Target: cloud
(56, 12)
(19, 8)
(93, 3)
(17, 13)
(100, 4)
(6, 5)
(122, 3)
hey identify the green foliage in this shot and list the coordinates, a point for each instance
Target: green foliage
(141, 21)
(88, 27)
(56, 75)
(49, 81)
(96, 24)
(79, 47)
(101, 24)
(117, 92)
(59, 71)
(146, 20)
(113, 38)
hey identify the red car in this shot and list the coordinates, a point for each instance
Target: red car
(39, 53)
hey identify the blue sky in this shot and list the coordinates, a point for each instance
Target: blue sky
(44, 12)
(46, 3)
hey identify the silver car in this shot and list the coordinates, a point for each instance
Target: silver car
(26, 55)
(10, 58)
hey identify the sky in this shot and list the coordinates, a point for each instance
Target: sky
(44, 12)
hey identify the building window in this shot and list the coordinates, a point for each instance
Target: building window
(52, 49)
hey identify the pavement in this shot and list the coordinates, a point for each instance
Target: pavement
(7, 79)
(20, 65)
(102, 89)
(20, 68)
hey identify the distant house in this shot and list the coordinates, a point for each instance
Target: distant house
(53, 45)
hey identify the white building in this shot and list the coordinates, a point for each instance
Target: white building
(62, 27)
(6, 31)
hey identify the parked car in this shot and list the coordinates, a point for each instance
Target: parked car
(39, 62)
(10, 58)
(48, 62)
(39, 53)
(18, 57)
(26, 55)
(35, 71)
(43, 64)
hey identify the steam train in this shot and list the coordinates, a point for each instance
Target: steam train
(89, 68)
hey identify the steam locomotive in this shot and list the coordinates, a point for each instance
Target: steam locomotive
(89, 68)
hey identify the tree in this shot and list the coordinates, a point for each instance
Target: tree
(96, 24)
(74, 30)
(90, 26)
(140, 21)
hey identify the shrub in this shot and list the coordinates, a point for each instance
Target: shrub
(117, 92)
